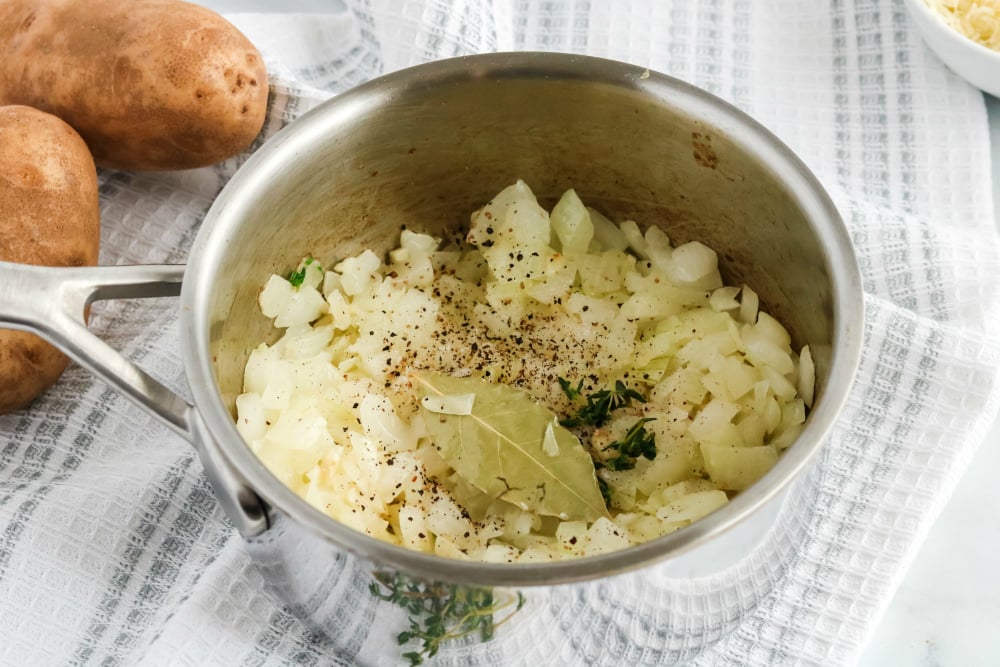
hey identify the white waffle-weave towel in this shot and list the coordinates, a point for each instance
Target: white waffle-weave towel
(114, 551)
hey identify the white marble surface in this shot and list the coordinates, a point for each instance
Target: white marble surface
(946, 612)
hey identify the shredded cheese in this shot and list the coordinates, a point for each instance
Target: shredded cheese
(979, 20)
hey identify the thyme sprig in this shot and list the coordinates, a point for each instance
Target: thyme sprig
(441, 612)
(637, 442)
(600, 404)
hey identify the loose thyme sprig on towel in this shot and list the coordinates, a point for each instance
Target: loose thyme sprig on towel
(440, 612)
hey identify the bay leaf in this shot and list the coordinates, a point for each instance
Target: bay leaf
(498, 448)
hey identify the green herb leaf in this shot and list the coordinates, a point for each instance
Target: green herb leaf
(600, 404)
(637, 442)
(572, 393)
(605, 490)
(296, 278)
(499, 449)
(442, 612)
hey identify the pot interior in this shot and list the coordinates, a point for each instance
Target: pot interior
(424, 148)
(426, 158)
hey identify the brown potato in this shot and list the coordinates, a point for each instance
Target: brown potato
(49, 216)
(148, 84)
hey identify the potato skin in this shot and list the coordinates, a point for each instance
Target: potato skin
(50, 216)
(148, 84)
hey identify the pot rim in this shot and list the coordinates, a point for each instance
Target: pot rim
(223, 222)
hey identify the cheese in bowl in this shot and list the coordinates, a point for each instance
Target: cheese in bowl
(547, 385)
(979, 20)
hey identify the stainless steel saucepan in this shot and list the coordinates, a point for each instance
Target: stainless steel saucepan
(424, 147)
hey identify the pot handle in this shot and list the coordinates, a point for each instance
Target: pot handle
(51, 302)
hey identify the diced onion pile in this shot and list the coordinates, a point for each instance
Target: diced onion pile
(979, 20)
(527, 298)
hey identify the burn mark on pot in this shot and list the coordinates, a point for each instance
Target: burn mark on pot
(702, 150)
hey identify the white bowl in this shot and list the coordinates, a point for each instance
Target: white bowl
(972, 61)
